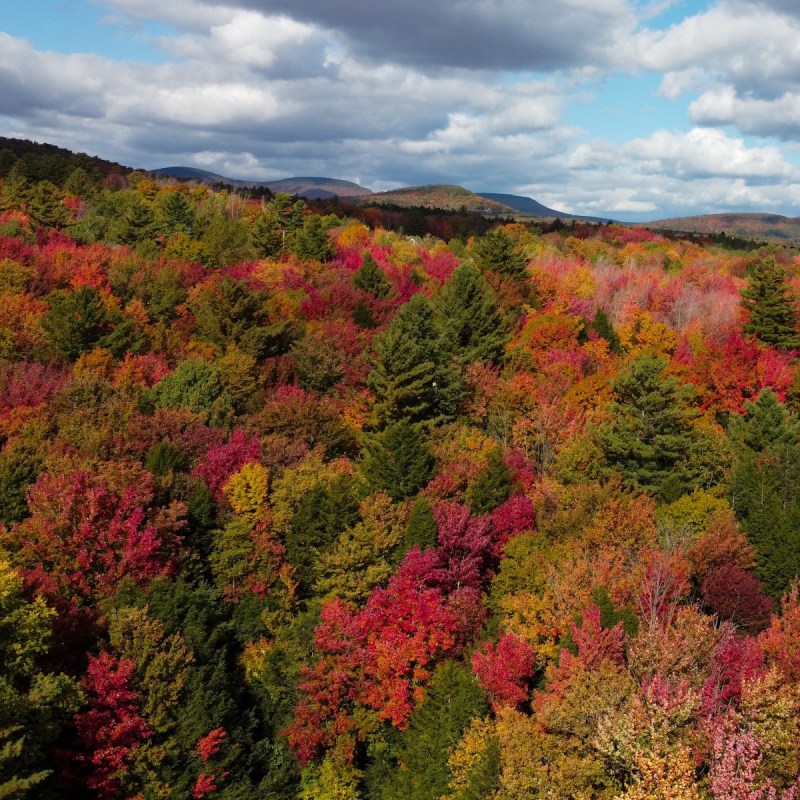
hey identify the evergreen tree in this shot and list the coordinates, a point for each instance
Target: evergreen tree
(421, 528)
(412, 378)
(492, 486)
(453, 699)
(468, 316)
(266, 234)
(324, 512)
(312, 242)
(397, 460)
(765, 490)
(34, 703)
(601, 324)
(371, 278)
(650, 440)
(229, 312)
(76, 321)
(495, 252)
(771, 305)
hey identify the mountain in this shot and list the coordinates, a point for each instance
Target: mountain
(312, 188)
(443, 196)
(744, 226)
(528, 205)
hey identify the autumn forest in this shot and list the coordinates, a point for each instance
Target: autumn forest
(301, 499)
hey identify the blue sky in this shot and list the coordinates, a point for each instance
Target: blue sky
(632, 109)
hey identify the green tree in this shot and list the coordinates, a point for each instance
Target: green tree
(371, 278)
(651, 440)
(771, 305)
(765, 489)
(397, 460)
(34, 704)
(228, 312)
(492, 486)
(312, 241)
(195, 384)
(322, 514)
(75, 321)
(496, 252)
(267, 236)
(412, 378)
(469, 318)
(601, 324)
(421, 529)
(453, 699)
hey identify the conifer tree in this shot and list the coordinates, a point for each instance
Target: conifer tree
(421, 528)
(397, 460)
(412, 378)
(650, 439)
(371, 278)
(469, 318)
(495, 251)
(311, 242)
(765, 490)
(452, 700)
(601, 324)
(492, 486)
(76, 320)
(771, 306)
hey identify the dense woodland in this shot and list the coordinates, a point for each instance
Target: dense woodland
(296, 505)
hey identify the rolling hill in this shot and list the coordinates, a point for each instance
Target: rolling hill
(527, 205)
(313, 188)
(745, 226)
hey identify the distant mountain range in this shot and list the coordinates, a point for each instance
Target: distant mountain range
(766, 227)
(744, 226)
(444, 196)
(311, 188)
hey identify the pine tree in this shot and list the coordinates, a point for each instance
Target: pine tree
(601, 324)
(412, 378)
(650, 439)
(312, 242)
(397, 460)
(371, 278)
(453, 699)
(469, 318)
(765, 490)
(496, 252)
(771, 306)
(76, 320)
(492, 486)
(421, 528)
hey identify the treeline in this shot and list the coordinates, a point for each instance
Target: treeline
(292, 505)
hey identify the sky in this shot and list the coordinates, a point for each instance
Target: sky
(631, 109)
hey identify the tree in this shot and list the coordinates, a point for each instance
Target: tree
(371, 278)
(228, 312)
(34, 703)
(453, 699)
(495, 252)
(312, 241)
(773, 316)
(765, 490)
(492, 486)
(397, 460)
(76, 320)
(468, 316)
(650, 440)
(411, 377)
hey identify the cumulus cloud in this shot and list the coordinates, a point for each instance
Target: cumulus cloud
(468, 92)
(467, 34)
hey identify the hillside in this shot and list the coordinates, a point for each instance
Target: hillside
(527, 205)
(746, 226)
(312, 188)
(444, 196)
